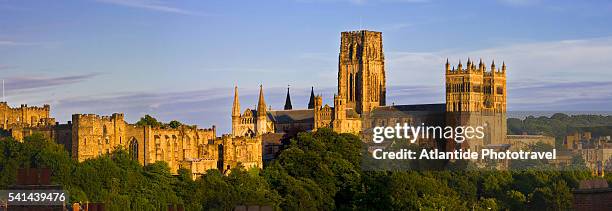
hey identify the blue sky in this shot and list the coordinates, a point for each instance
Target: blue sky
(180, 59)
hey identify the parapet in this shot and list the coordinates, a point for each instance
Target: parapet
(94, 117)
(471, 67)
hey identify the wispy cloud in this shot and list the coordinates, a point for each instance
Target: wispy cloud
(5, 67)
(575, 60)
(21, 83)
(153, 5)
(15, 43)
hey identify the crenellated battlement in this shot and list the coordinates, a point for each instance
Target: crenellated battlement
(45, 107)
(480, 68)
(114, 116)
(475, 88)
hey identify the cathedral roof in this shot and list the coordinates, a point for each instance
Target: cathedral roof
(405, 109)
(291, 116)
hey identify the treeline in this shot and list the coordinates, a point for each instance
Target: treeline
(560, 125)
(316, 171)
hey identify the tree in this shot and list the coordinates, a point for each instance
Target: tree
(174, 124)
(148, 120)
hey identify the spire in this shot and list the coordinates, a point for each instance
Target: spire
(261, 104)
(236, 106)
(447, 65)
(493, 66)
(311, 102)
(504, 66)
(288, 101)
(460, 66)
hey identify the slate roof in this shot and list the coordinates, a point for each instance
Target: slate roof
(396, 110)
(292, 116)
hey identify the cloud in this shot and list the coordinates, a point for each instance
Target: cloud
(153, 5)
(572, 96)
(14, 43)
(21, 83)
(564, 60)
(6, 67)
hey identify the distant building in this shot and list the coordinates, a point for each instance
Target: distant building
(596, 151)
(525, 141)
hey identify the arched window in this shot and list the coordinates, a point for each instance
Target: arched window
(133, 148)
(351, 92)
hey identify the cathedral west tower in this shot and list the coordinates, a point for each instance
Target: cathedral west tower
(361, 70)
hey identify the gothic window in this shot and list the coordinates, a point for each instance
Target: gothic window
(351, 86)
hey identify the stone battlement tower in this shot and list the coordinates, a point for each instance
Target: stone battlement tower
(476, 96)
(475, 89)
(361, 70)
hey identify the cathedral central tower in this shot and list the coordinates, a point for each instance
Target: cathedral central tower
(361, 70)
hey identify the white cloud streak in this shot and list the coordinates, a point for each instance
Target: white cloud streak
(152, 5)
(565, 60)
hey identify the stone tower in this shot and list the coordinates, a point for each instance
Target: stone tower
(476, 96)
(474, 89)
(235, 113)
(361, 70)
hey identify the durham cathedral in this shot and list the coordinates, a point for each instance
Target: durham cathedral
(475, 95)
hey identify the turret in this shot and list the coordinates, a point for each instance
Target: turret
(235, 113)
(493, 66)
(311, 102)
(447, 66)
(262, 119)
(236, 105)
(288, 101)
(503, 67)
(261, 104)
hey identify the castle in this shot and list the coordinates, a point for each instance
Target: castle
(474, 96)
(89, 135)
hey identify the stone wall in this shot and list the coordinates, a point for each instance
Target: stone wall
(24, 115)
